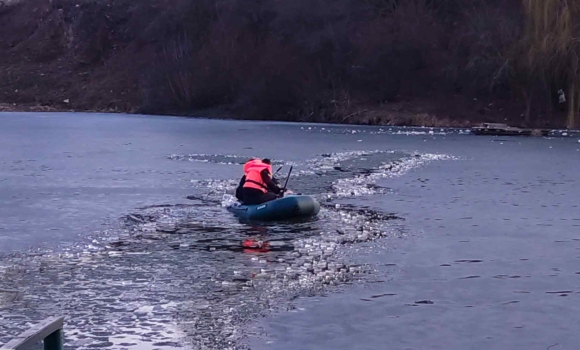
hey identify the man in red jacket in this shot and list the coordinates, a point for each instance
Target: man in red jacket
(258, 186)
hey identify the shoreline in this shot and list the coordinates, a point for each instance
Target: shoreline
(367, 117)
(147, 59)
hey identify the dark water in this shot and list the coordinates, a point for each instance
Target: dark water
(118, 222)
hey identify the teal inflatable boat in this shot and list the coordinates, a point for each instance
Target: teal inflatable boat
(289, 207)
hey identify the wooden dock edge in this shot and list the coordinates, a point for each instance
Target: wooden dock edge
(48, 331)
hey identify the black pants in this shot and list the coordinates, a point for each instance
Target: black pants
(254, 196)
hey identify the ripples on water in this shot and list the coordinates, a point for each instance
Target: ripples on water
(193, 274)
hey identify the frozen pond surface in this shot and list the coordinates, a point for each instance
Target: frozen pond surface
(428, 238)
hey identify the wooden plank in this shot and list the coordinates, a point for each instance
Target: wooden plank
(53, 341)
(35, 334)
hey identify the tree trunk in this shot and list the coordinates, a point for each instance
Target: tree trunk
(571, 107)
(528, 97)
(549, 107)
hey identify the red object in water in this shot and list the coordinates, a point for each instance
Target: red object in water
(253, 246)
(249, 243)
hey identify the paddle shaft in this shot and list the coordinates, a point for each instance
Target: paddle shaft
(287, 178)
